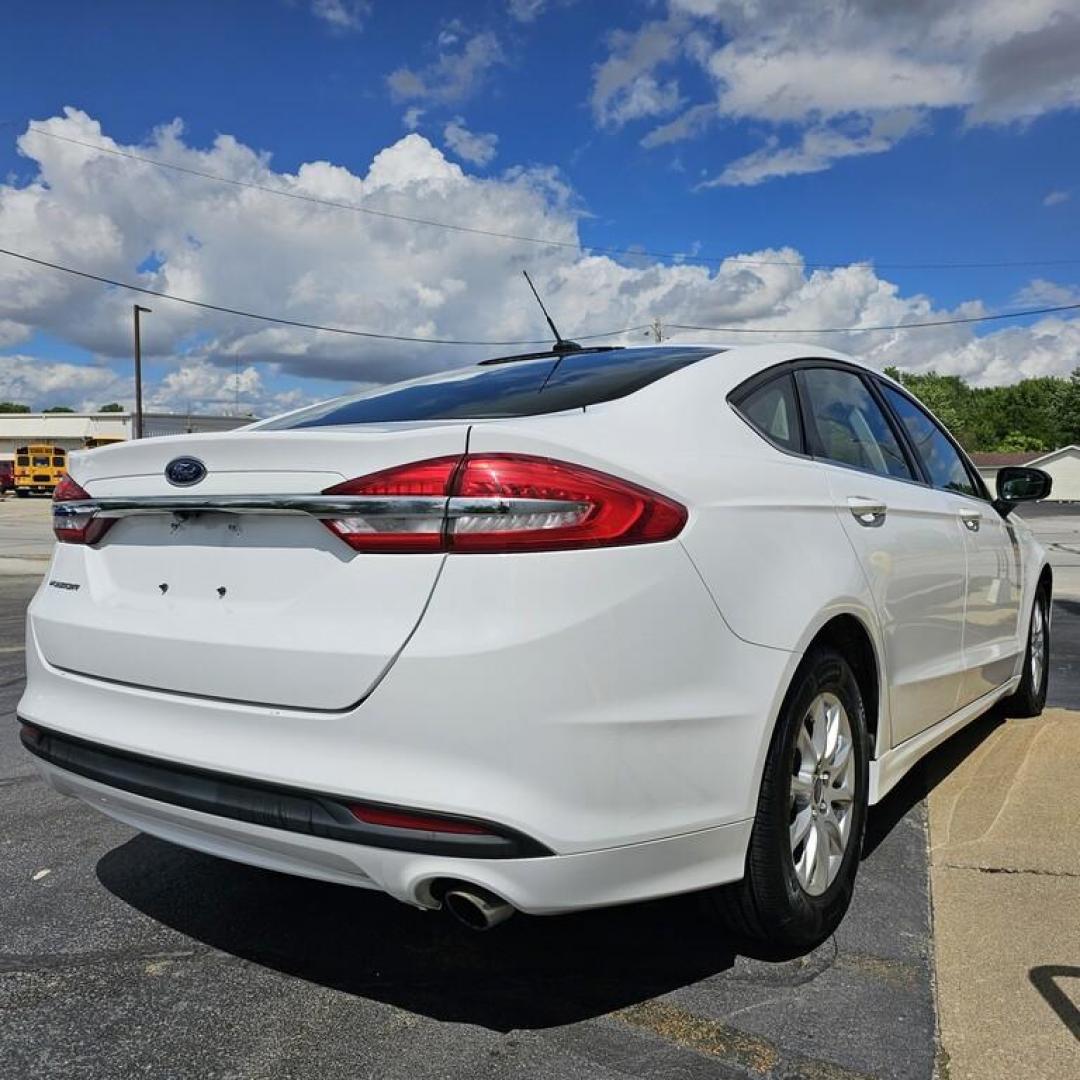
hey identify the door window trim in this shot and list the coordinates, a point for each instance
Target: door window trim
(814, 444)
(982, 493)
(758, 382)
(876, 382)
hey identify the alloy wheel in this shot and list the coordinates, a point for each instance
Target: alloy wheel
(1038, 644)
(822, 793)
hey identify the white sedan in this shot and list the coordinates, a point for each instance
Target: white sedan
(546, 633)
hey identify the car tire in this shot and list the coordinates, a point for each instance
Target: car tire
(1029, 699)
(781, 901)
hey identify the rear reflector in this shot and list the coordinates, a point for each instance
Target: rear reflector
(405, 819)
(500, 503)
(71, 526)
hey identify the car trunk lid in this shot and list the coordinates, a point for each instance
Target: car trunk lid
(257, 607)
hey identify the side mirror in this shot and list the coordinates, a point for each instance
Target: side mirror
(1017, 484)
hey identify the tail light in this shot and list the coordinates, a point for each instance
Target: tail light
(502, 503)
(414, 495)
(70, 525)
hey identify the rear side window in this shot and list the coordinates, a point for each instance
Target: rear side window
(942, 460)
(516, 388)
(849, 425)
(772, 410)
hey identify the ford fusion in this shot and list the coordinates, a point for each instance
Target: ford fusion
(546, 633)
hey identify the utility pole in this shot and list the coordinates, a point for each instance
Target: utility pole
(657, 330)
(137, 433)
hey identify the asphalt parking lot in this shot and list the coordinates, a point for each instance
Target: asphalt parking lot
(122, 955)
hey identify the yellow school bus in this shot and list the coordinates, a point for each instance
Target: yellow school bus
(101, 440)
(38, 468)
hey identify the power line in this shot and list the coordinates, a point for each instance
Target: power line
(867, 329)
(294, 322)
(572, 245)
(584, 337)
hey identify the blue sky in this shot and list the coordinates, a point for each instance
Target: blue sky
(943, 133)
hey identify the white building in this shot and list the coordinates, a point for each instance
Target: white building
(71, 430)
(1062, 464)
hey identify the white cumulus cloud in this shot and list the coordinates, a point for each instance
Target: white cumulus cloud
(41, 384)
(251, 250)
(819, 67)
(816, 150)
(625, 85)
(341, 16)
(525, 10)
(454, 74)
(476, 147)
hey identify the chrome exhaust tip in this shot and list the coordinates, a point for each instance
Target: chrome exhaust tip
(477, 908)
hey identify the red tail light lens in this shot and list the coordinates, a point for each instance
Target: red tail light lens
(419, 526)
(75, 527)
(407, 819)
(502, 503)
(553, 505)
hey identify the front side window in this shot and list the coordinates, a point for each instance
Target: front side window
(771, 409)
(849, 426)
(943, 463)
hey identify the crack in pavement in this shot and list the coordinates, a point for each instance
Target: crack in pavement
(10, 781)
(1011, 870)
(30, 964)
(685, 1030)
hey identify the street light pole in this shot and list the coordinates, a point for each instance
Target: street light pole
(138, 427)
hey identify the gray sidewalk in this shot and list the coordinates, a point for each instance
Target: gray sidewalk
(1005, 880)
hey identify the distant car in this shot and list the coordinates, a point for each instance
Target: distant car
(545, 633)
(7, 477)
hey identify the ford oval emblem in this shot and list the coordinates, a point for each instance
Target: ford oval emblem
(184, 471)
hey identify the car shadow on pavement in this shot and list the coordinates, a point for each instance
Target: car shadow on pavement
(530, 973)
(926, 776)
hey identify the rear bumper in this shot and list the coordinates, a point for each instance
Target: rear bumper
(596, 703)
(539, 886)
(291, 809)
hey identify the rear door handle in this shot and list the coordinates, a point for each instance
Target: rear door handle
(868, 512)
(972, 519)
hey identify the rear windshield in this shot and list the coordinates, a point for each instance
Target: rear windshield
(517, 388)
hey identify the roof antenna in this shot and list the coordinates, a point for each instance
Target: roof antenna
(561, 344)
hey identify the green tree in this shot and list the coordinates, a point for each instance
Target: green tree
(1031, 415)
(13, 406)
(946, 396)
(113, 406)
(1067, 416)
(1018, 442)
(58, 408)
